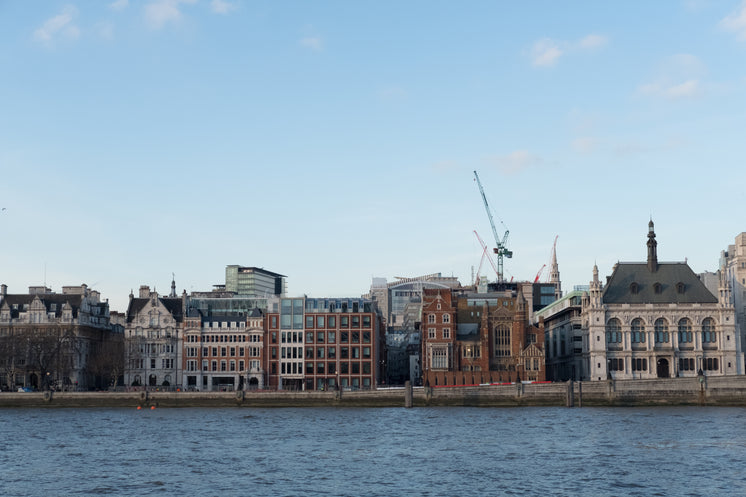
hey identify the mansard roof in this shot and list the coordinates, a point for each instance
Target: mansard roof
(669, 283)
(16, 302)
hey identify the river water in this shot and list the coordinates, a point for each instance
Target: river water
(325, 451)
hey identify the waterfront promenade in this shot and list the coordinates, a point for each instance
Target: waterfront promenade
(716, 391)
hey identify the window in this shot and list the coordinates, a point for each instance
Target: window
(319, 321)
(657, 287)
(639, 364)
(661, 330)
(439, 358)
(614, 331)
(446, 318)
(431, 333)
(634, 288)
(708, 331)
(366, 321)
(686, 364)
(366, 352)
(710, 364)
(638, 331)
(431, 318)
(502, 341)
(685, 331)
(355, 368)
(616, 364)
(446, 333)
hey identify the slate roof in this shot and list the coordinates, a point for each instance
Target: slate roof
(172, 305)
(620, 288)
(47, 299)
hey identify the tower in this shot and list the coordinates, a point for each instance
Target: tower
(652, 249)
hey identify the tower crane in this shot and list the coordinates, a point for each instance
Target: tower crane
(501, 250)
(486, 253)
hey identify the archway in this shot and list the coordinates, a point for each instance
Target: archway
(663, 368)
(253, 383)
(152, 381)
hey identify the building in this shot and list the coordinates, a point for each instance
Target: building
(223, 352)
(253, 282)
(733, 265)
(656, 320)
(566, 353)
(152, 339)
(324, 344)
(52, 341)
(473, 338)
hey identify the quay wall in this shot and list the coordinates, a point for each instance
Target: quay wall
(716, 391)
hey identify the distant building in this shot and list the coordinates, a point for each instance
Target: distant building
(50, 340)
(253, 282)
(733, 265)
(223, 352)
(152, 337)
(472, 338)
(325, 343)
(566, 353)
(656, 320)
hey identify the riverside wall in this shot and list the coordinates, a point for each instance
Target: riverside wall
(715, 391)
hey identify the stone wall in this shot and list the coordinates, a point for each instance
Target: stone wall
(715, 391)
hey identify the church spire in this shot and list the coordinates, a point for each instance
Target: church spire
(554, 275)
(173, 286)
(652, 249)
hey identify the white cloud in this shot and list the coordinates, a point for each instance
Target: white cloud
(59, 26)
(222, 7)
(516, 161)
(119, 5)
(585, 145)
(546, 52)
(312, 42)
(592, 41)
(679, 77)
(162, 12)
(735, 22)
(105, 30)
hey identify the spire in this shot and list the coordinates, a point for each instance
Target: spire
(554, 275)
(173, 286)
(652, 249)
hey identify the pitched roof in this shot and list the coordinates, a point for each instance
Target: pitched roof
(172, 305)
(19, 300)
(671, 282)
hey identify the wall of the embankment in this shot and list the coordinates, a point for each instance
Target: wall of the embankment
(721, 391)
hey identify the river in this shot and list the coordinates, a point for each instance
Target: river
(451, 451)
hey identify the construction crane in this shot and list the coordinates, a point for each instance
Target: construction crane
(501, 250)
(486, 253)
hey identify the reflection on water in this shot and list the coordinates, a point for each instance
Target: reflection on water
(428, 451)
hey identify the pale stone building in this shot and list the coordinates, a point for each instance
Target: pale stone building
(152, 336)
(733, 265)
(658, 320)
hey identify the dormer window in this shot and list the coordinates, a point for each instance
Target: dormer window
(634, 288)
(657, 287)
(680, 287)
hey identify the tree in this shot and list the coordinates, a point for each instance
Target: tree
(12, 358)
(106, 360)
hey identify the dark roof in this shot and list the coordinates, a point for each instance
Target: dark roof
(47, 299)
(634, 283)
(172, 305)
(466, 331)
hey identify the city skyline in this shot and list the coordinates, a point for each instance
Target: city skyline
(336, 142)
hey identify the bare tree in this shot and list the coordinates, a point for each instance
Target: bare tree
(106, 361)
(12, 358)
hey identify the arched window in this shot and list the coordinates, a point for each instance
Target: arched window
(661, 330)
(431, 318)
(502, 341)
(708, 330)
(657, 287)
(685, 330)
(614, 331)
(638, 331)
(446, 318)
(634, 287)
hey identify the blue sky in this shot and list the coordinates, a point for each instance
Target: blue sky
(335, 141)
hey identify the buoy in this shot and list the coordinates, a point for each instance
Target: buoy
(152, 407)
(138, 408)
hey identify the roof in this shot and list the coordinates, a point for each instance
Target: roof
(47, 299)
(635, 283)
(172, 304)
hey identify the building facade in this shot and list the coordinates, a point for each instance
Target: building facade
(253, 282)
(473, 338)
(658, 320)
(52, 341)
(153, 339)
(565, 349)
(325, 344)
(733, 266)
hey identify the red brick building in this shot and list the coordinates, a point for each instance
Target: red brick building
(479, 338)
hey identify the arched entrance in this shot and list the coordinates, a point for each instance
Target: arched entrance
(152, 380)
(663, 368)
(253, 384)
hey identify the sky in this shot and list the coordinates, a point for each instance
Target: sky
(336, 141)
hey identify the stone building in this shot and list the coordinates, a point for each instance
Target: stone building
(51, 341)
(152, 336)
(733, 265)
(473, 338)
(566, 352)
(656, 320)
